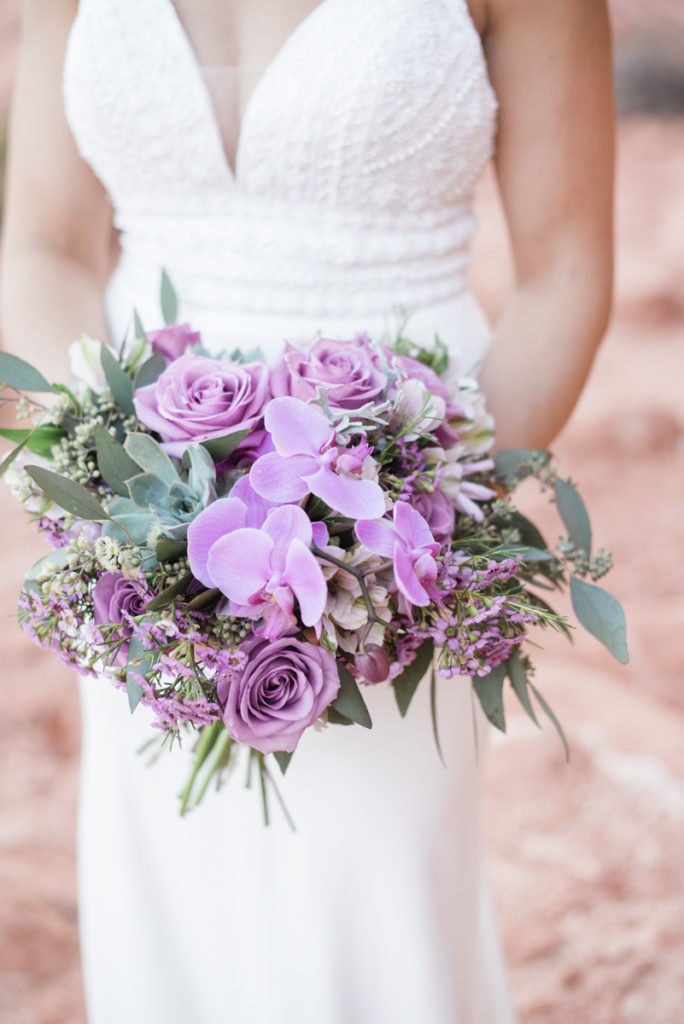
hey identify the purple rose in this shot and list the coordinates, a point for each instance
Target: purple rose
(171, 341)
(114, 599)
(197, 398)
(350, 371)
(437, 511)
(282, 690)
(413, 369)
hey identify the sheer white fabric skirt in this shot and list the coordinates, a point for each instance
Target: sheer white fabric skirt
(375, 909)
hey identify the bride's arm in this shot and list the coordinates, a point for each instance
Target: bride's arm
(57, 217)
(550, 66)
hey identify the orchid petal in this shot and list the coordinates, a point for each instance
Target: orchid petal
(411, 526)
(240, 564)
(406, 579)
(357, 499)
(215, 521)
(287, 523)
(305, 576)
(279, 479)
(319, 532)
(257, 507)
(297, 428)
(378, 537)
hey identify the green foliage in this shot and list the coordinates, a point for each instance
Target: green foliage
(574, 514)
(120, 384)
(140, 661)
(349, 701)
(164, 599)
(552, 717)
(602, 615)
(283, 758)
(17, 373)
(9, 459)
(518, 677)
(489, 690)
(114, 463)
(38, 440)
(149, 371)
(67, 494)
(151, 458)
(221, 447)
(406, 684)
(168, 299)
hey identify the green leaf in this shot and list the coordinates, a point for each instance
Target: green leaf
(59, 557)
(138, 329)
(283, 757)
(518, 677)
(335, 718)
(167, 596)
(550, 714)
(19, 374)
(602, 615)
(203, 599)
(62, 389)
(406, 684)
(489, 690)
(140, 661)
(171, 550)
(119, 382)
(147, 490)
(115, 465)
(67, 494)
(168, 299)
(221, 447)
(574, 514)
(349, 701)
(9, 459)
(530, 554)
(38, 440)
(144, 450)
(433, 713)
(515, 461)
(149, 371)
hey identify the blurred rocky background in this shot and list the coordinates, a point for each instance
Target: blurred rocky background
(586, 858)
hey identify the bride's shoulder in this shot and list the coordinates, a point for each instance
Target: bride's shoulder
(55, 10)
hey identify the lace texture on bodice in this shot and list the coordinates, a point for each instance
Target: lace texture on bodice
(355, 166)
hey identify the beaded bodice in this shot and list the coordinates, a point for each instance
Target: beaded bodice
(356, 160)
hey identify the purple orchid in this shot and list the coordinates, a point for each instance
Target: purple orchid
(307, 460)
(411, 546)
(260, 569)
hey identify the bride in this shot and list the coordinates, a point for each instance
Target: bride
(302, 167)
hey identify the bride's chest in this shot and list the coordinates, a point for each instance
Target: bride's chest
(378, 102)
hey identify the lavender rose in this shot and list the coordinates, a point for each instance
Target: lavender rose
(115, 598)
(197, 398)
(172, 341)
(282, 690)
(437, 511)
(350, 371)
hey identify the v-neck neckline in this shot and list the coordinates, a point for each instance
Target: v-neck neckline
(233, 169)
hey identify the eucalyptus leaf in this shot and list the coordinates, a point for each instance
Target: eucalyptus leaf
(114, 463)
(206, 597)
(144, 450)
(171, 550)
(530, 554)
(518, 677)
(138, 329)
(9, 459)
(19, 374)
(167, 596)
(515, 462)
(335, 718)
(129, 526)
(574, 515)
(602, 615)
(57, 558)
(67, 494)
(552, 717)
(140, 661)
(120, 384)
(147, 490)
(406, 684)
(433, 713)
(168, 299)
(221, 447)
(149, 371)
(283, 757)
(489, 690)
(349, 701)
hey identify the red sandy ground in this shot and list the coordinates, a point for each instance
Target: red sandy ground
(585, 858)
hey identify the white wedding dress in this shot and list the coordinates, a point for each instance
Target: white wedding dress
(351, 197)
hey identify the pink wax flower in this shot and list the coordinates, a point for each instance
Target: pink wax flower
(284, 687)
(411, 546)
(350, 372)
(307, 460)
(262, 571)
(172, 341)
(197, 398)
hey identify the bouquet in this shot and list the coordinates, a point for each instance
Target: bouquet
(243, 549)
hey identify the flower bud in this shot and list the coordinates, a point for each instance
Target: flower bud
(373, 664)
